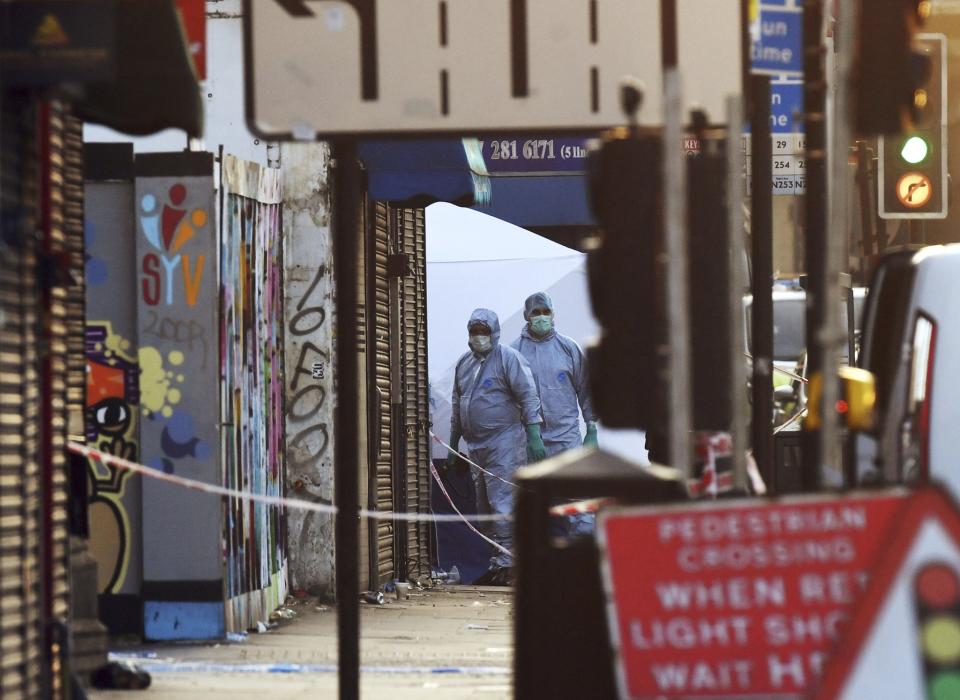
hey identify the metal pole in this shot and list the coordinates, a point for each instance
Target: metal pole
(675, 224)
(346, 417)
(678, 303)
(761, 243)
(837, 249)
(814, 100)
(738, 427)
(868, 238)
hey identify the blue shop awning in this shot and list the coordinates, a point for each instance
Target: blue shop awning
(418, 173)
(540, 201)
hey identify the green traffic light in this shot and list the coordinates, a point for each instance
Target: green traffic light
(915, 150)
(944, 686)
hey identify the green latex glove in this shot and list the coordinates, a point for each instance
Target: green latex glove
(535, 448)
(452, 456)
(590, 439)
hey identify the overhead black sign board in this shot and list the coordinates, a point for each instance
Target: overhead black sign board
(57, 41)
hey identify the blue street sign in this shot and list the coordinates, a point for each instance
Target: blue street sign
(786, 103)
(778, 47)
(786, 106)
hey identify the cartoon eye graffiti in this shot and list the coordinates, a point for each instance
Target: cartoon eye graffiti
(111, 416)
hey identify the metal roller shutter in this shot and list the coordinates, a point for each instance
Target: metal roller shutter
(34, 198)
(54, 215)
(76, 293)
(378, 349)
(413, 312)
(20, 614)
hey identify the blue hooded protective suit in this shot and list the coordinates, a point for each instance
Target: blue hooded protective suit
(494, 397)
(560, 373)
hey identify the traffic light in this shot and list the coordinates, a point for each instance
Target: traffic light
(629, 365)
(628, 361)
(937, 605)
(888, 65)
(913, 163)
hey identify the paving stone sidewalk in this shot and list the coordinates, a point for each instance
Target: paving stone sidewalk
(446, 643)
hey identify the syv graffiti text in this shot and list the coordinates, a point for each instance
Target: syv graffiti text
(168, 228)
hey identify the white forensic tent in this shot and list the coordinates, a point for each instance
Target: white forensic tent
(475, 260)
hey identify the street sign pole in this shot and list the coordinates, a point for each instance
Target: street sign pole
(814, 101)
(675, 208)
(738, 428)
(761, 240)
(835, 261)
(346, 416)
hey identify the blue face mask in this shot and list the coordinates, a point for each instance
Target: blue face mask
(541, 325)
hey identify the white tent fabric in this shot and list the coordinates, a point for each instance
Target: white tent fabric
(474, 260)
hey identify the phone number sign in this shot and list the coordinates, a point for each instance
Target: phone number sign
(526, 156)
(739, 600)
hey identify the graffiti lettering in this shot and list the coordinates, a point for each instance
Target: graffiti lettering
(297, 329)
(308, 398)
(321, 273)
(151, 280)
(190, 333)
(191, 283)
(168, 229)
(300, 444)
(301, 414)
(170, 265)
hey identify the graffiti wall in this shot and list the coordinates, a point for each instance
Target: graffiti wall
(112, 409)
(308, 346)
(251, 398)
(176, 297)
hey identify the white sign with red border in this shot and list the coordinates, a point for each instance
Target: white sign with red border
(904, 638)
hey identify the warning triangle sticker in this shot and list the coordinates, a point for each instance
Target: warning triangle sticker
(50, 32)
(904, 638)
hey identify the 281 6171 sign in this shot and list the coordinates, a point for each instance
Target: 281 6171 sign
(738, 600)
(525, 155)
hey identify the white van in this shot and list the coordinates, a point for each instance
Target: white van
(790, 335)
(911, 343)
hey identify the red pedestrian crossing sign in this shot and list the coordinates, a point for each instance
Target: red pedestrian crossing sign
(733, 599)
(904, 638)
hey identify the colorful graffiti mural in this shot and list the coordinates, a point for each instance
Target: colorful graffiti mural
(176, 295)
(251, 401)
(168, 229)
(111, 424)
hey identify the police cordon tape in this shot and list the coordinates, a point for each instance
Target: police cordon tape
(471, 463)
(579, 507)
(298, 503)
(695, 487)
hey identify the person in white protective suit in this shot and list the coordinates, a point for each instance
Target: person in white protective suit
(496, 410)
